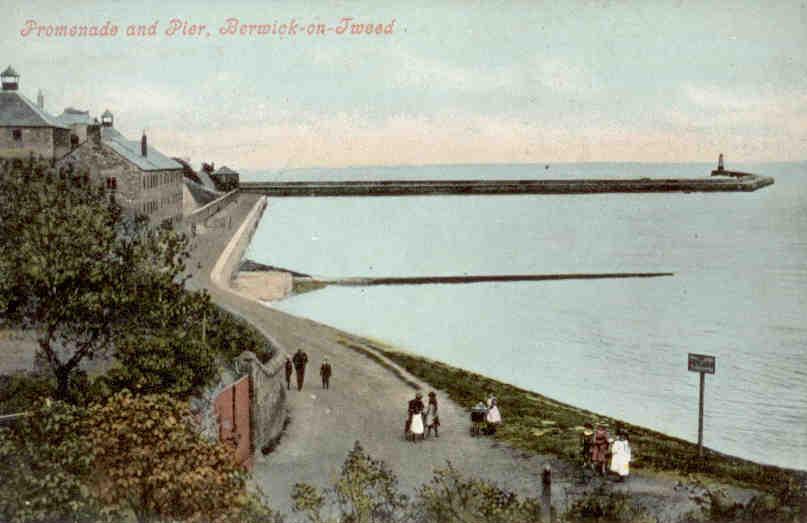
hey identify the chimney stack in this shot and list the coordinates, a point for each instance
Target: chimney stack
(144, 151)
(40, 100)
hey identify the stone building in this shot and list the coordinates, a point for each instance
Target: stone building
(78, 121)
(144, 180)
(225, 178)
(25, 127)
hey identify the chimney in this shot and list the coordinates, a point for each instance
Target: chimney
(144, 151)
(40, 100)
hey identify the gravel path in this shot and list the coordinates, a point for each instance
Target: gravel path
(367, 402)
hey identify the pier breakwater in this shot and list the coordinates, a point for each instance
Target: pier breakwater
(526, 186)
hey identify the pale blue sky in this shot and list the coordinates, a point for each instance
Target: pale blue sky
(456, 82)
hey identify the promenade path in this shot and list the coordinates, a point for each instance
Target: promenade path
(367, 402)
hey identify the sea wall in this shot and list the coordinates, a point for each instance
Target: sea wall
(268, 402)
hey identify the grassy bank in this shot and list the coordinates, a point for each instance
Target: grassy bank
(542, 425)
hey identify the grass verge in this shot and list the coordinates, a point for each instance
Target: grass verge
(542, 425)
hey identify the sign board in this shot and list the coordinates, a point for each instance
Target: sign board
(701, 363)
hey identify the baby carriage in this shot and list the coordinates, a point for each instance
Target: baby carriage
(478, 414)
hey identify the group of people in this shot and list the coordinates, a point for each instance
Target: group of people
(603, 453)
(298, 363)
(422, 419)
(486, 417)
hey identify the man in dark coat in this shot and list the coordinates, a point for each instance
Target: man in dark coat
(300, 360)
(325, 371)
(289, 367)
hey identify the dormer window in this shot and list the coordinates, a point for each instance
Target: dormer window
(16, 134)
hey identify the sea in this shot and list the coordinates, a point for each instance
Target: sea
(615, 347)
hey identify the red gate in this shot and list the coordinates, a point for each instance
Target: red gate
(232, 408)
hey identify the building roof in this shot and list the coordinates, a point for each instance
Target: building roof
(18, 111)
(71, 116)
(9, 72)
(129, 149)
(224, 170)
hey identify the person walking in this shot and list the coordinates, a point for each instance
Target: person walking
(300, 361)
(325, 371)
(431, 419)
(599, 449)
(621, 455)
(289, 367)
(416, 417)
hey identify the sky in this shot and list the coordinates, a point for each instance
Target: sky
(448, 82)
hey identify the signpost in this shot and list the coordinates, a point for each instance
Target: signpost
(702, 364)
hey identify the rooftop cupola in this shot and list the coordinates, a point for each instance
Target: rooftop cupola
(106, 119)
(10, 79)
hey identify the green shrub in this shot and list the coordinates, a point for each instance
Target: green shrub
(451, 498)
(602, 506)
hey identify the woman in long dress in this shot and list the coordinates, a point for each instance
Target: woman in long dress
(494, 417)
(430, 418)
(416, 417)
(599, 449)
(620, 458)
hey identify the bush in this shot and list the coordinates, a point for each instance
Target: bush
(366, 492)
(20, 392)
(450, 498)
(231, 335)
(604, 507)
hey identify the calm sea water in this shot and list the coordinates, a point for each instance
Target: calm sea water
(618, 347)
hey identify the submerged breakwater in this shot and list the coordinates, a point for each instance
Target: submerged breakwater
(449, 280)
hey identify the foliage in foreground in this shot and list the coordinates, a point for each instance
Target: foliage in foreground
(44, 466)
(135, 455)
(605, 507)
(452, 498)
(366, 492)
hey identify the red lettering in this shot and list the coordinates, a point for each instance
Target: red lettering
(29, 26)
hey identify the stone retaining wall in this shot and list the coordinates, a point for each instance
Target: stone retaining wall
(200, 215)
(268, 382)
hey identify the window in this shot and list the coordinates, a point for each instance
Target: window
(17, 135)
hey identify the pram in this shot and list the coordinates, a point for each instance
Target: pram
(478, 414)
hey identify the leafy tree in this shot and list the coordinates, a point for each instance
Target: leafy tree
(451, 498)
(71, 262)
(44, 466)
(164, 349)
(150, 458)
(366, 492)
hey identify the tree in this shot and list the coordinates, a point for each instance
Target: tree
(164, 351)
(71, 263)
(44, 467)
(366, 492)
(150, 458)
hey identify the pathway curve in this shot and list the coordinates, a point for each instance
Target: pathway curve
(367, 402)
